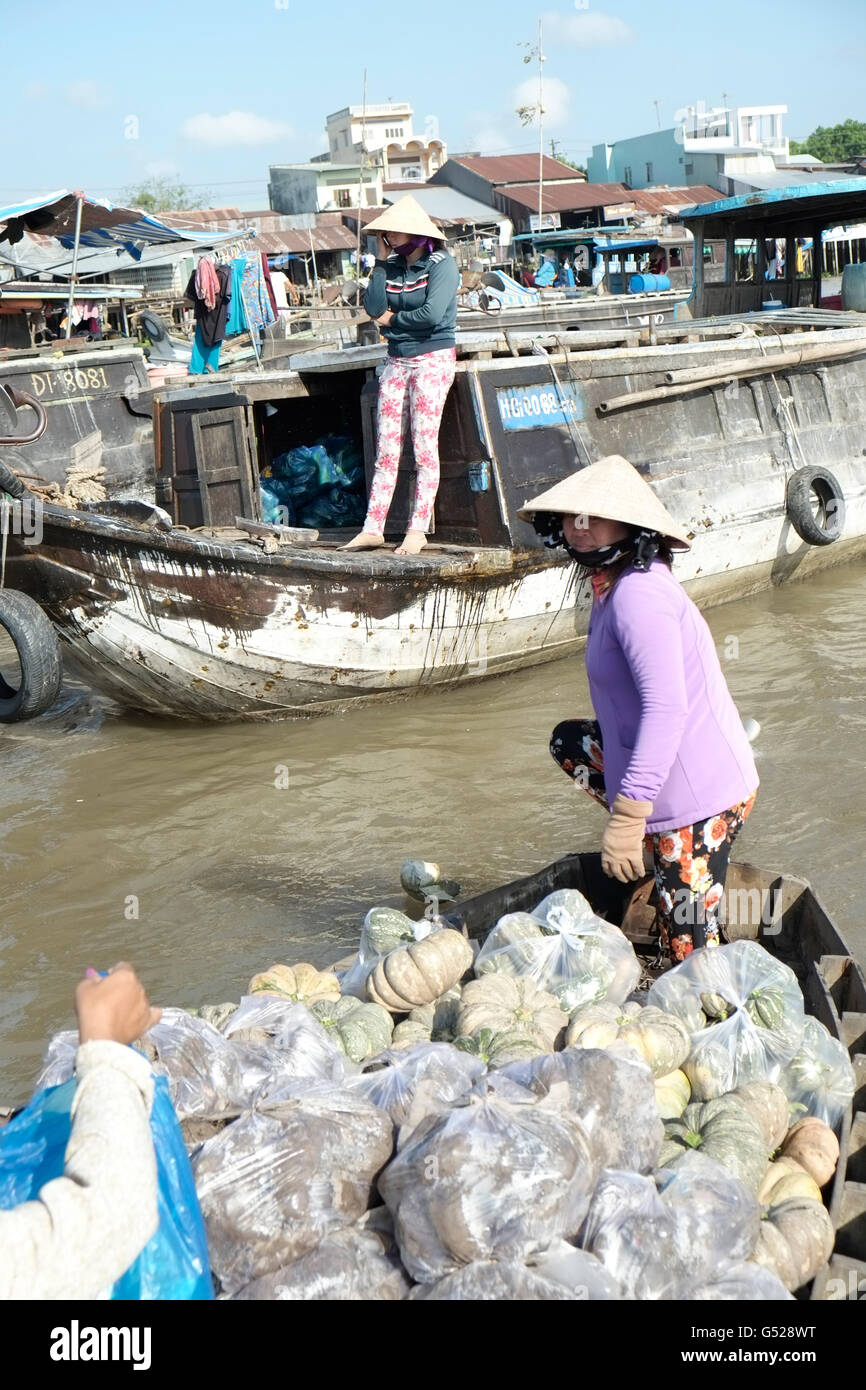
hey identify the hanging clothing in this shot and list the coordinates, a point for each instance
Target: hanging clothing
(205, 356)
(279, 284)
(212, 322)
(237, 319)
(207, 285)
(266, 271)
(257, 304)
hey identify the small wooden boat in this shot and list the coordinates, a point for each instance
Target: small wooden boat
(785, 915)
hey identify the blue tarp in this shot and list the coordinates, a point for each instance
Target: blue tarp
(102, 224)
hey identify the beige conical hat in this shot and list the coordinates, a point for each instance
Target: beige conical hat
(613, 489)
(406, 215)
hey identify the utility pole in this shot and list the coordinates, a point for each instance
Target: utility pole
(528, 113)
(360, 186)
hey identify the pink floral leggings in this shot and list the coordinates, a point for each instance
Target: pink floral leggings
(416, 386)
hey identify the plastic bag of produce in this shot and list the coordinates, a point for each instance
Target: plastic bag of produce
(583, 1274)
(613, 1093)
(304, 1049)
(661, 1244)
(744, 1010)
(384, 929)
(494, 1281)
(275, 1183)
(174, 1263)
(743, 1282)
(425, 1080)
(566, 949)
(491, 1178)
(208, 1074)
(820, 1076)
(352, 1264)
(58, 1064)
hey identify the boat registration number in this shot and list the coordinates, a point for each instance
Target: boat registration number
(537, 407)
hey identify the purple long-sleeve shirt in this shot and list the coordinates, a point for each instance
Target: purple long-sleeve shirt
(670, 731)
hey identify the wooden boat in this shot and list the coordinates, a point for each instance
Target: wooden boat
(744, 427)
(785, 915)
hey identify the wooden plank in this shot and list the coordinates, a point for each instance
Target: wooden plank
(851, 1226)
(303, 535)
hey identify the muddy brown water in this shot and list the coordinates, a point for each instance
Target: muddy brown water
(205, 853)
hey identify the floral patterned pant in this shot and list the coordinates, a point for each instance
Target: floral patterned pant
(417, 387)
(689, 864)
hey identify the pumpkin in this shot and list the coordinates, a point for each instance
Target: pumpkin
(511, 947)
(500, 1003)
(815, 1147)
(796, 1238)
(672, 1094)
(421, 880)
(440, 1016)
(303, 983)
(386, 928)
(409, 1032)
(708, 1071)
(768, 1104)
(785, 1178)
(766, 1008)
(661, 1039)
(715, 1006)
(499, 1048)
(724, 1130)
(360, 1030)
(420, 972)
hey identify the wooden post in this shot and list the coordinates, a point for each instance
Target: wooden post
(698, 269)
(817, 265)
(72, 278)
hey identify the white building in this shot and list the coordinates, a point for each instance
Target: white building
(385, 135)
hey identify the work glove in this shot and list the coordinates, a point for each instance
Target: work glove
(622, 841)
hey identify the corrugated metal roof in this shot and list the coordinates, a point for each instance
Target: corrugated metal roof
(828, 204)
(515, 168)
(448, 206)
(566, 197)
(324, 239)
(661, 200)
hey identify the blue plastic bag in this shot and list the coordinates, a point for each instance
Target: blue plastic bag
(174, 1264)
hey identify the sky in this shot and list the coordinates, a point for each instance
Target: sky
(209, 95)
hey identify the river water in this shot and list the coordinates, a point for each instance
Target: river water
(205, 853)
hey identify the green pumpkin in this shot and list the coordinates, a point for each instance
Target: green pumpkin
(440, 1016)
(716, 1007)
(497, 1048)
(724, 1130)
(360, 1030)
(766, 1008)
(796, 1238)
(409, 1033)
(767, 1104)
(386, 927)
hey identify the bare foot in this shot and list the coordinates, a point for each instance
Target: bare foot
(413, 543)
(365, 540)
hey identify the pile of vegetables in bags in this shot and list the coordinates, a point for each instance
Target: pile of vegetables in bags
(320, 485)
(515, 1121)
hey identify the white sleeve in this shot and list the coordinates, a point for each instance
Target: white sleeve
(85, 1229)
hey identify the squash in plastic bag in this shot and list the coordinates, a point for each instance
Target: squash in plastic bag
(352, 1264)
(612, 1092)
(723, 1130)
(274, 1184)
(492, 1178)
(424, 1081)
(820, 1075)
(493, 1281)
(741, 1281)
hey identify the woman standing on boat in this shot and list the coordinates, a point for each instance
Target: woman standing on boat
(412, 295)
(667, 754)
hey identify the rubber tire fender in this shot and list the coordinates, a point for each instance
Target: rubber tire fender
(38, 655)
(798, 505)
(153, 326)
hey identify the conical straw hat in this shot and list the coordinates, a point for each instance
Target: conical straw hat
(406, 215)
(613, 489)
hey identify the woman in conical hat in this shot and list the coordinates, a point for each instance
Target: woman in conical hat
(412, 295)
(667, 754)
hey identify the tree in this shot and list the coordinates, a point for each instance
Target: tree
(159, 195)
(834, 144)
(556, 153)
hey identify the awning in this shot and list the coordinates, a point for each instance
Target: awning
(102, 224)
(827, 204)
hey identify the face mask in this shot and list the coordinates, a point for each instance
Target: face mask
(644, 546)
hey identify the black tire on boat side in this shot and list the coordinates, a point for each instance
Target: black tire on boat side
(11, 483)
(38, 655)
(799, 502)
(153, 326)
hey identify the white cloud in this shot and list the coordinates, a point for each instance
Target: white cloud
(88, 95)
(488, 136)
(234, 128)
(586, 29)
(556, 99)
(35, 91)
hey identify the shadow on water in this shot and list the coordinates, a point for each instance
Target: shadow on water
(204, 853)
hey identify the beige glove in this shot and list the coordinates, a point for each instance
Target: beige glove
(622, 841)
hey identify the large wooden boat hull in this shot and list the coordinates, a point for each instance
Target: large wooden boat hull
(784, 914)
(582, 311)
(179, 625)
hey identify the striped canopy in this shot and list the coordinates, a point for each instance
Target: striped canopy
(102, 224)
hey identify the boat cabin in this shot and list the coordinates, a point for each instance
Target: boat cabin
(611, 255)
(771, 243)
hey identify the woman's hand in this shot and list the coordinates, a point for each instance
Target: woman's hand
(385, 319)
(114, 1007)
(383, 250)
